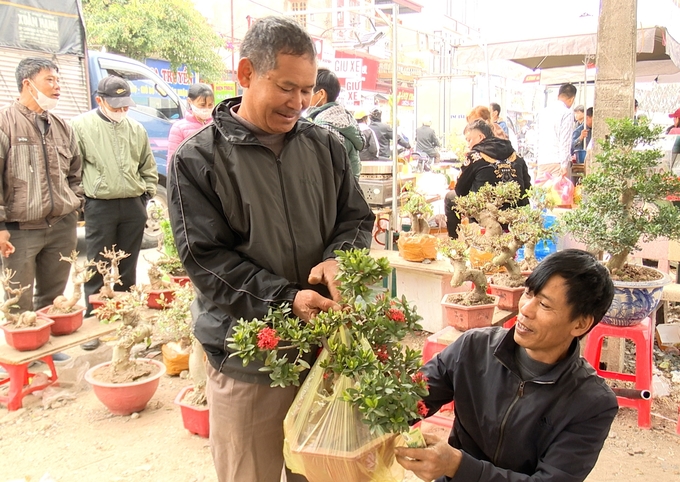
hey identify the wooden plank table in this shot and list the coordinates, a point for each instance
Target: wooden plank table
(16, 362)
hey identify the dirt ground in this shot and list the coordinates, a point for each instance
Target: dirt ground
(77, 439)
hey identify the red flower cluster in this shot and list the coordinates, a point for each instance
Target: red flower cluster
(267, 339)
(396, 315)
(381, 353)
(422, 409)
(419, 377)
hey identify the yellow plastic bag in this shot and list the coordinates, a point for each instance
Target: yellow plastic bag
(175, 359)
(417, 247)
(326, 439)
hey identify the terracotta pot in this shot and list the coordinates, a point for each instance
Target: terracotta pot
(96, 301)
(64, 323)
(180, 280)
(27, 339)
(463, 318)
(126, 398)
(195, 418)
(154, 297)
(508, 298)
(635, 300)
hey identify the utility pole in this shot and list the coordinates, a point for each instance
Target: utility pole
(616, 53)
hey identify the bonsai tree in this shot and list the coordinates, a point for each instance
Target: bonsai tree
(416, 207)
(175, 322)
(109, 270)
(169, 263)
(80, 274)
(134, 329)
(26, 319)
(493, 207)
(624, 197)
(361, 342)
(456, 252)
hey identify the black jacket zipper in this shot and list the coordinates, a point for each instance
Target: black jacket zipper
(520, 394)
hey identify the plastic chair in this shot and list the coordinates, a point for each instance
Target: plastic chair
(642, 336)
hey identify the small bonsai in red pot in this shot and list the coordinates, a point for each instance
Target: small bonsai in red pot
(23, 331)
(110, 272)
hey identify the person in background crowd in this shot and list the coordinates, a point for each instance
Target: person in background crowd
(527, 407)
(383, 133)
(40, 192)
(555, 130)
(489, 160)
(675, 128)
(259, 201)
(426, 139)
(201, 102)
(583, 133)
(496, 117)
(370, 150)
(579, 115)
(119, 178)
(483, 112)
(327, 113)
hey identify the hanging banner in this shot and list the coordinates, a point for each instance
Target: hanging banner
(224, 90)
(180, 80)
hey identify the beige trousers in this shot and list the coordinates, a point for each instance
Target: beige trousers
(246, 429)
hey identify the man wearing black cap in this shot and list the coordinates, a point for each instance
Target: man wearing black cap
(119, 177)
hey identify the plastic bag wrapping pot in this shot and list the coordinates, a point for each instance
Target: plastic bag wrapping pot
(635, 300)
(64, 323)
(417, 247)
(175, 359)
(326, 439)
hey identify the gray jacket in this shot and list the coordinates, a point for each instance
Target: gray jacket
(249, 226)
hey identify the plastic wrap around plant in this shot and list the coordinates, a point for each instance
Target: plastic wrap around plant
(325, 439)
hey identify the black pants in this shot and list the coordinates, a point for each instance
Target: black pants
(114, 221)
(452, 216)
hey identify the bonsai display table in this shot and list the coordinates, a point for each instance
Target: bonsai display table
(16, 362)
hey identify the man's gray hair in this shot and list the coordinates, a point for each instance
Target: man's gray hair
(29, 67)
(270, 36)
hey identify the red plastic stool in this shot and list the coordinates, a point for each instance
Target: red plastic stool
(511, 322)
(20, 378)
(641, 335)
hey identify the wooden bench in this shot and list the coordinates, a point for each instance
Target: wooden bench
(16, 362)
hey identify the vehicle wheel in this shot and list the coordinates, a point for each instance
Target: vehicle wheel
(156, 210)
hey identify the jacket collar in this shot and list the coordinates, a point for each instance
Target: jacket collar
(28, 112)
(505, 353)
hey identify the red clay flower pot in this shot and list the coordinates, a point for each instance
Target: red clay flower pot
(463, 318)
(126, 398)
(180, 280)
(195, 418)
(64, 323)
(27, 339)
(508, 298)
(154, 297)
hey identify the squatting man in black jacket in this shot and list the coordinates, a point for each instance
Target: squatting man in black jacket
(259, 201)
(527, 406)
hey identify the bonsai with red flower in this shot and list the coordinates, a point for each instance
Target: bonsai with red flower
(388, 387)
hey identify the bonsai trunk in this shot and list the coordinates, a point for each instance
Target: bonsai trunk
(120, 361)
(530, 261)
(617, 261)
(198, 374)
(461, 273)
(507, 259)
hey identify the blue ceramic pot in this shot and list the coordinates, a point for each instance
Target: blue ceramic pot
(635, 301)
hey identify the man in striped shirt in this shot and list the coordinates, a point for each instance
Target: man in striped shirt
(555, 128)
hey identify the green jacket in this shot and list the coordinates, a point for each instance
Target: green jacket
(335, 118)
(117, 158)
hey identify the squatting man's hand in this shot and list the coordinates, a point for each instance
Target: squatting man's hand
(432, 462)
(309, 303)
(6, 248)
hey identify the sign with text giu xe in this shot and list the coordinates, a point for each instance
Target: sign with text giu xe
(180, 80)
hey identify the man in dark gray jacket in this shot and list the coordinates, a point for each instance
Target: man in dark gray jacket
(259, 202)
(528, 407)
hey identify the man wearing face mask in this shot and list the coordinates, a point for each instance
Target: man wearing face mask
(119, 177)
(40, 190)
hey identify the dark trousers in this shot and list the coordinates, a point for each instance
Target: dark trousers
(36, 261)
(452, 216)
(114, 221)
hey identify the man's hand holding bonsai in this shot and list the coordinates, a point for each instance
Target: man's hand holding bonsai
(431, 462)
(309, 303)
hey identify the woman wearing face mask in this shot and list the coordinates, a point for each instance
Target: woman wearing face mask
(201, 102)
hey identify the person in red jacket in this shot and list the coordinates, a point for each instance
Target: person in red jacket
(201, 101)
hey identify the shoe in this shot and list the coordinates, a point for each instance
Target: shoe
(60, 357)
(90, 345)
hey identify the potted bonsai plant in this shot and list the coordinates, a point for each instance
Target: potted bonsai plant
(124, 385)
(416, 244)
(176, 324)
(524, 228)
(170, 263)
(66, 313)
(474, 309)
(624, 203)
(110, 274)
(23, 331)
(160, 291)
(364, 388)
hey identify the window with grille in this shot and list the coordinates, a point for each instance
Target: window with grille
(299, 7)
